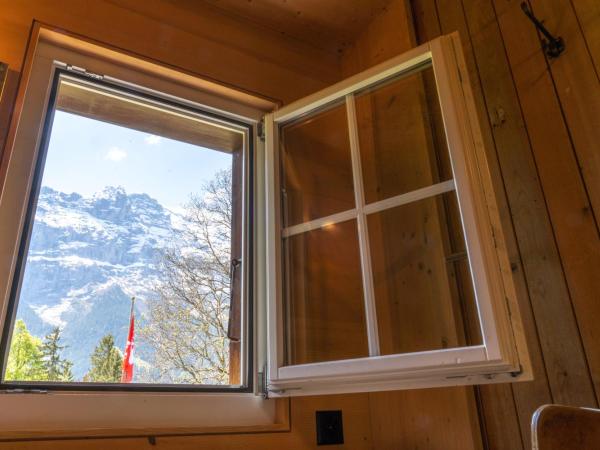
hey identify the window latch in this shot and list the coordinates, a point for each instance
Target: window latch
(263, 390)
(260, 129)
(235, 263)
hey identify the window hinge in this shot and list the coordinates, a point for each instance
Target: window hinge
(283, 391)
(260, 129)
(24, 391)
(516, 373)
(85, 73)
(262, 382)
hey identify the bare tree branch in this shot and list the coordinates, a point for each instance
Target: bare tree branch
(187, 322)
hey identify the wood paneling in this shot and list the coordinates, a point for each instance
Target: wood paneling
(540, 128)
(548, 292)
(430, 419)
(577, 91)
(203, 41)
(567, 203)
(588, 16)
(331, 24)
(527, 132)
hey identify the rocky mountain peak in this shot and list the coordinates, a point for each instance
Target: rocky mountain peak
(87, 256)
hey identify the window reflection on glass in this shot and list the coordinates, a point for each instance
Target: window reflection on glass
(316, 166)
(324, 297)
(401, 136)
(412, 238)
(421, 275)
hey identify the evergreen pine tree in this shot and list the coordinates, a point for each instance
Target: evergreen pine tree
(67, 374)
(106, 362)
(55, 368)
(25, 356)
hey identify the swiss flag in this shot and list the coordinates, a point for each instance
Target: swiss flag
(127, 372)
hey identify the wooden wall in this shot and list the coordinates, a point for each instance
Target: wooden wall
(213, 46)
(541, 123)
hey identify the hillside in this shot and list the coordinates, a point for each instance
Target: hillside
(87, 257)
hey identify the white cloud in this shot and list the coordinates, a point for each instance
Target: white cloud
(115, 154)
(152, 139)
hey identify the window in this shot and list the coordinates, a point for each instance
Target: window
(360, 247)
(383, 236)
(131, 264)
(162, 136)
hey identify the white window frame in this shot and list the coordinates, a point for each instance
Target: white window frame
(502, 355)
(77, 413)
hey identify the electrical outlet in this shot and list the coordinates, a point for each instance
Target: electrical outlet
(330, 429)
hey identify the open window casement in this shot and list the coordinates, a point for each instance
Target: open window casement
(385, 256)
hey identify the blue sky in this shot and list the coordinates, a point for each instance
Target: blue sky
(85, 155)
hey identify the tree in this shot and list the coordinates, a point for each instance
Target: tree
(187, 323)
(106, 362)
(55, 368)
(25, 356)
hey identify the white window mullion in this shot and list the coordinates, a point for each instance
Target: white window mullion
(363, 234)
(410, 197)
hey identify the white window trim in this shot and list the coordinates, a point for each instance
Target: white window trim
(124, 413)
(501, 357)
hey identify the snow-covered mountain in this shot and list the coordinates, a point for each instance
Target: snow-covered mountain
(87, 257)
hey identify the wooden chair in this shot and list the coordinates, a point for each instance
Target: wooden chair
(556, 427)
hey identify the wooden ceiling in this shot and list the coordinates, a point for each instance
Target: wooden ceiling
(330, 25)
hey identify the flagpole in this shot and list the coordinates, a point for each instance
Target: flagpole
(132, 302)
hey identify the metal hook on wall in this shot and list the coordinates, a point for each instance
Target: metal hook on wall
(553, 46)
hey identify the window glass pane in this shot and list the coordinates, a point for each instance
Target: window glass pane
(316, 166)
(401, 136)
(135, 202)
(324, 296)
(423, 288)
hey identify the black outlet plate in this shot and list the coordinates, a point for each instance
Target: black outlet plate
(330, 429)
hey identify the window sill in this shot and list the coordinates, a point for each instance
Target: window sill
(58, 415)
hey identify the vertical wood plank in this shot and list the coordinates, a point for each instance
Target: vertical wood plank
(566, 198)
(577, 86)
(588, 16)
(525, 197)
(428, 419)
(578, 89)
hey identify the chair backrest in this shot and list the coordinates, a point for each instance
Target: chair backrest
(556, 427)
